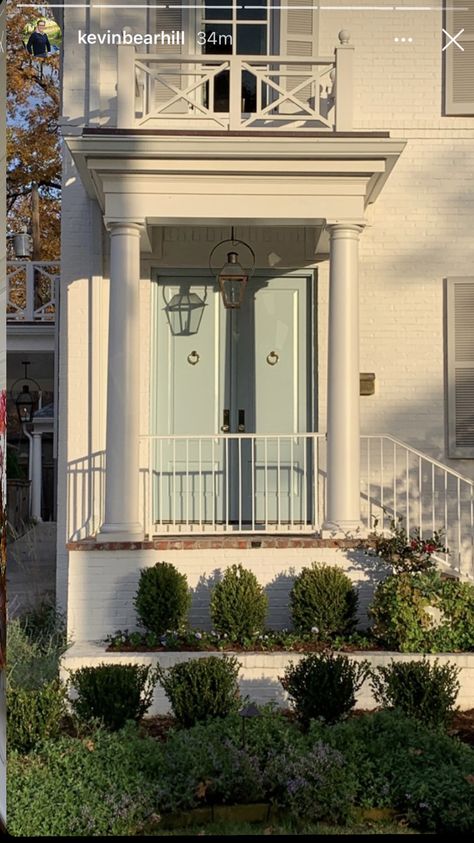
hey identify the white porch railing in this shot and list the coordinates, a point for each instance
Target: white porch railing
(398, 480)
(32, 291)
(246, 483)
(232, 92)
(231, 482)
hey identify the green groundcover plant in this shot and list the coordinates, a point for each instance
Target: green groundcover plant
(110, 783)
(102, 785)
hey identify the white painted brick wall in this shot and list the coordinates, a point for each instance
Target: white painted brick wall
(260, 672)
(102, 584)
(420, 232)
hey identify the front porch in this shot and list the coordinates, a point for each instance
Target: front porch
(182, 508)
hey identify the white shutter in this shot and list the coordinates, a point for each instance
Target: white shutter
(298, 37)
(459, 64)
(299, 28)
(460, 381)
(168, 20)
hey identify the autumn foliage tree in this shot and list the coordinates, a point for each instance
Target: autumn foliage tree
(33, 142)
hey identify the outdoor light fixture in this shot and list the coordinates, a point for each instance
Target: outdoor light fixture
(24, 400)
(24, 405)
(233, 277)
(21, 244)
(248, 712)
(184, 311)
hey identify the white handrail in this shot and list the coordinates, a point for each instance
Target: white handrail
(418, 453)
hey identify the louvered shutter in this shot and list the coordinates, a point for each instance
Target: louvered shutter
(298, 37)
(460, 382)
(168, 20)
(459, 64)
(299, 28)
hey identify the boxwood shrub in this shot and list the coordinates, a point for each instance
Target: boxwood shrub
(113, 693)
(419, 689)
(238, 604)
(324, 602)
(200, 689)
(323, 686)
(163, 598)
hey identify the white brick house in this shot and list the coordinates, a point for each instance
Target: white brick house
(243, 437)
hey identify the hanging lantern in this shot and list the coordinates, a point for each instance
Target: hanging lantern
(25, 405)
(233, 277)
(25, 401)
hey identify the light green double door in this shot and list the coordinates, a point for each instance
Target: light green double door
(217, 376)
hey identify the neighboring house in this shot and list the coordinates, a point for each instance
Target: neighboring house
(32, 340)
(344, 384)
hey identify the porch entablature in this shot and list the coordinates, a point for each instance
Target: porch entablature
(282, 180)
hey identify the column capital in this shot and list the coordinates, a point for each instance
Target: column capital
(131, 226)
(351, 230)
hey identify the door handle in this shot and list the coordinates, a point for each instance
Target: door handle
(241, 427)
(225, 427)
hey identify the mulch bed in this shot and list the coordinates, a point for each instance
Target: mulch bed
(304, 647)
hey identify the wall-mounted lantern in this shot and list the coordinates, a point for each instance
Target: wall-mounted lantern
(184, 311)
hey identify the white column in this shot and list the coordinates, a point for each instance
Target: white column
(36, 477)
(343, 422)
(123, 399)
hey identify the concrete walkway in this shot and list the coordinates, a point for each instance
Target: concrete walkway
(31, 569)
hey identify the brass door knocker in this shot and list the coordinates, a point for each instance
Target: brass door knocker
(272, 358)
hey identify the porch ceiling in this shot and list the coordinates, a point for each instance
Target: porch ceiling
(265, 180)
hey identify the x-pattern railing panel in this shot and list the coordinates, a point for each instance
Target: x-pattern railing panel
(288, 90)
(288, 96)
(193, 94)
(32, 291)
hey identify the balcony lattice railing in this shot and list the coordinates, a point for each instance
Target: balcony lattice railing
(247, 483)
(32, 291)
(233, 92)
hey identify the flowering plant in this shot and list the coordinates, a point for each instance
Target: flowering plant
(406, 552)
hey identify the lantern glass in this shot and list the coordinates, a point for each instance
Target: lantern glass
(232, 281)
(24, 405)
(184, 313)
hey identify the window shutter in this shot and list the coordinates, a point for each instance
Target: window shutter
(298, 37)
(299, 28)
(459, 64)
(460, 381)
(168, 20)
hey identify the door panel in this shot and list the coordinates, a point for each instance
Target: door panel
(272, 383)
(189, 389)
(255, 362)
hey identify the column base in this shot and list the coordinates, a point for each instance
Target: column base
(120, 533)
(343, 530)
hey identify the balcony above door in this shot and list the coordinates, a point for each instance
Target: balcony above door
(236, 92)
